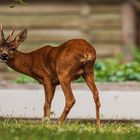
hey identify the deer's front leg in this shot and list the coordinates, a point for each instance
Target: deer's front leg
(49, 88)
(49, 94)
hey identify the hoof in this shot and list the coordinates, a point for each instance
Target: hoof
(98, 124)
(46, 119)
(59, 123)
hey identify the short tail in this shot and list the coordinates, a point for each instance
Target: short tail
(88, 56)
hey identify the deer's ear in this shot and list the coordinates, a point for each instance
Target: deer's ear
(20, 37)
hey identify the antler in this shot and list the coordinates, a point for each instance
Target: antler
(11, 34)
(1, 33)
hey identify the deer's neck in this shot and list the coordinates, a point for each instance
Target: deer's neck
(20, 62)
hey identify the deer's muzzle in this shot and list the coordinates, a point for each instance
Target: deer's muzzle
(4, 57)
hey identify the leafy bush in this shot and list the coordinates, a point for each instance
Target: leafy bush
(108, 70)
(136, 54)
(18, 2)
(111, 70)
(25, 79)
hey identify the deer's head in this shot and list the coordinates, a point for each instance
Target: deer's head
(9, 45)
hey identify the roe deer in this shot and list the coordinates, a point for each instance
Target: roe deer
(51, 66)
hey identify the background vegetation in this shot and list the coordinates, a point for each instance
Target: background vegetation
(108, 70)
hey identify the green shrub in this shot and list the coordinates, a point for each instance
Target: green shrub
(112, 71)
(25, 79)
(108, 70)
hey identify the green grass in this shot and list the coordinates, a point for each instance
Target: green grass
(36, 130)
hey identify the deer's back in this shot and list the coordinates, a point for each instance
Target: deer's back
(72, 48)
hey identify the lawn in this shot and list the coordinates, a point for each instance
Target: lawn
(36, 130)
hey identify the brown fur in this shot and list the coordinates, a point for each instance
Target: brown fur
(59, 65)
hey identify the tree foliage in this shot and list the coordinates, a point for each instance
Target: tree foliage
(18, 2)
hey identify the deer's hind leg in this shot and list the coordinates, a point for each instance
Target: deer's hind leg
(65, 83)
(89, 78)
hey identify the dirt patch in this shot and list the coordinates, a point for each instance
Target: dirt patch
(101, 86)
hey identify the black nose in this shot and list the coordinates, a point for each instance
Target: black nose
(4, 56)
